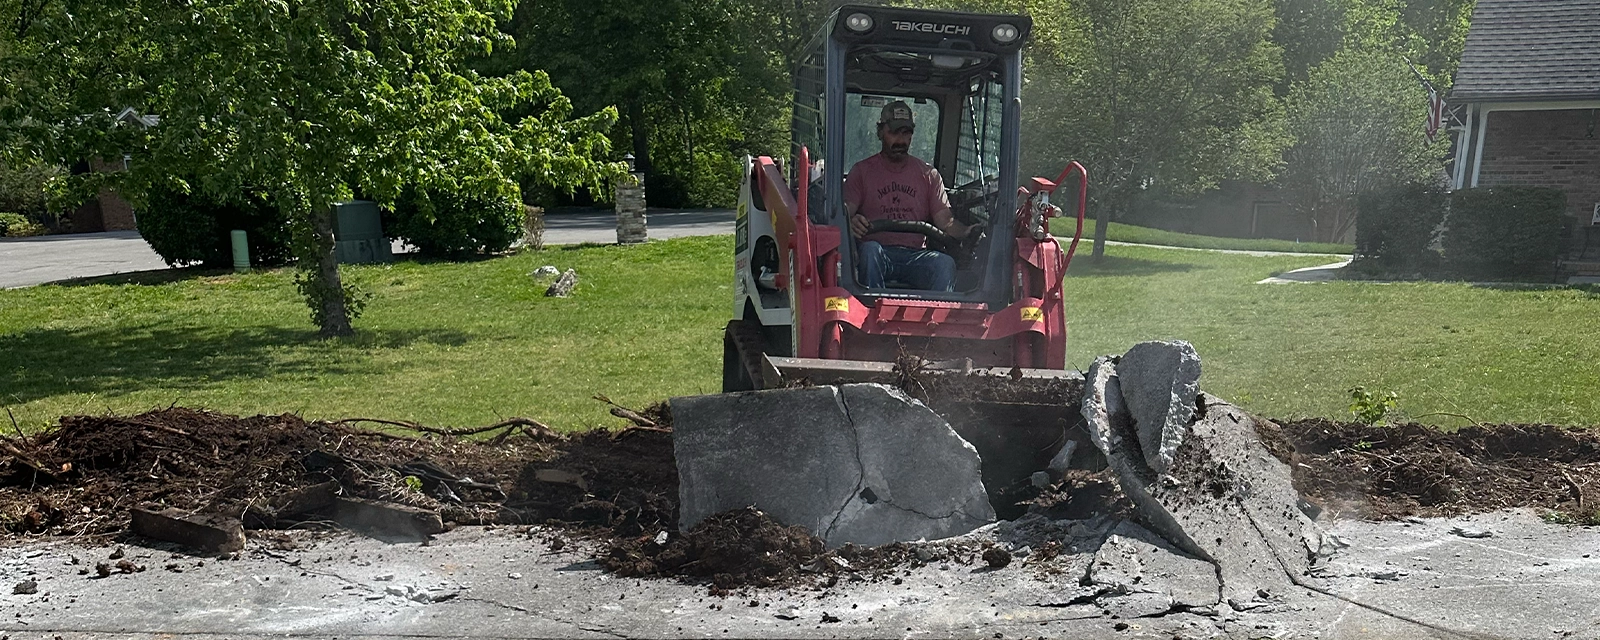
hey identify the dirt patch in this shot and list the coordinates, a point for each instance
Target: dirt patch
(1405, 470)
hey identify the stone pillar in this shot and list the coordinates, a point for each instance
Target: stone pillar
(630, 210)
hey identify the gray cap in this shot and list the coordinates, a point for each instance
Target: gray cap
(895, 115)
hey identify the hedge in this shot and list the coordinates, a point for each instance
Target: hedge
(455, 225)
(1504, 231)
(1395, 227)
(190, 229)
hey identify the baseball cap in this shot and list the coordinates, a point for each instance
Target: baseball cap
(896, 114)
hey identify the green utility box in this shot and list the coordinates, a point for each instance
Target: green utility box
(358, 233)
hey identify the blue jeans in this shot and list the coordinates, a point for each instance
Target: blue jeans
(919, 268)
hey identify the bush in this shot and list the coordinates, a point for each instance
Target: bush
(16, 225)
(189, 229)
(1504, 231)
(454, 225)
(1395, 227)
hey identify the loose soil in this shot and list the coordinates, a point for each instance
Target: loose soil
(1385, 472)
(619, 488)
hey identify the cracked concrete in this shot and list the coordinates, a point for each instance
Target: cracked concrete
(1532, 580)
(862, 464)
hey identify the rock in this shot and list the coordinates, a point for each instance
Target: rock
(859, 463)
(1224, 499)
(1134, 560)
(212, 533)
(547, 271)
(563, 285)
(25, 588)
(996, 557)
(1159, 384)
(384, 520)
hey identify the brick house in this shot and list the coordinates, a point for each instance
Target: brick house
(1529, 88)
(109, 211)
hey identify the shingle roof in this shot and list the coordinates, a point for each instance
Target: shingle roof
(1531, 50)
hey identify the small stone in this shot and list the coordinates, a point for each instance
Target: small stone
(546, 271)
(787, 613)
(1120, 626)
(563, 286)
(116, 555)
(661, 538)
(996, 557)
(514, 576)
(383, 578)
(25, 588)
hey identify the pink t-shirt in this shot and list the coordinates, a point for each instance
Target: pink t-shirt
(910, 191)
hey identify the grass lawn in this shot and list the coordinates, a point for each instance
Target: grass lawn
(461, 344)
(1120, 232)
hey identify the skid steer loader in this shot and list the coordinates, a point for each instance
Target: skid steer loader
(990, 356)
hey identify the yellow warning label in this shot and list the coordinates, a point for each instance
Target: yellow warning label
(1032, 314)
(836, 304)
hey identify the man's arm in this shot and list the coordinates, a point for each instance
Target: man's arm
(852, 204)
(942, 218)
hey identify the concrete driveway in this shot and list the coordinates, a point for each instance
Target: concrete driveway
(25, 262)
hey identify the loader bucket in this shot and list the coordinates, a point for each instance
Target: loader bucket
(1019, 420)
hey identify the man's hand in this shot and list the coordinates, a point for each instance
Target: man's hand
(957, 230)
(858, 225)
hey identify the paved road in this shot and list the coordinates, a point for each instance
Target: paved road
(29, 261)
(26, 262)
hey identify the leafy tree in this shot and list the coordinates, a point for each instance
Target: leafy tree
(698, 83)
(1358, 120)
(1153, 95)
(308, 102)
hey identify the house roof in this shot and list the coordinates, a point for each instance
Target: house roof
(1531, 50)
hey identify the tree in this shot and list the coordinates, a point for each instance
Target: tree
(1153, 95)
(308, 102)
(699, 83)
(1358, 121)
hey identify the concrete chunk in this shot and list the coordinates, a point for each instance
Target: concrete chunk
(204, 533)
(860, 464)
(1224, 499)
(1159, 383)
(385, 520)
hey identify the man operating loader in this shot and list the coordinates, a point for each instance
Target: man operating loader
(894, 185)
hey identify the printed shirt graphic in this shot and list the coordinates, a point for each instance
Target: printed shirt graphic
(911, 191)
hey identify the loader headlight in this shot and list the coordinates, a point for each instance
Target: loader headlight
(1005, 33)
(858, 22)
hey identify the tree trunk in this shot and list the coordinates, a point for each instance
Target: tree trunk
(335, 316)
(1102, 223)
(641, 136)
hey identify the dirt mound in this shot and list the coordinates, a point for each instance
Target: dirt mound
(614, 486)
(1416, 470)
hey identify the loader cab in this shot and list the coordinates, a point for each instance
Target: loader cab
(960, 74)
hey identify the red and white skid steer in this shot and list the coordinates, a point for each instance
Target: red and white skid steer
(990, 356)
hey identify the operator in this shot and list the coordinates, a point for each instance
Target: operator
(892, 184)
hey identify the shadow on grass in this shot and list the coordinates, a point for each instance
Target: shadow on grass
(156, 277)
(1113, 266)
(114, 361)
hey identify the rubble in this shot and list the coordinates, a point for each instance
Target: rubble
(211, 533)
(386, 520)
(1224, 498)
(859, 463)
(1160, 381)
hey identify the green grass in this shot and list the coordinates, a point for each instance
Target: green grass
(460, 344)
(444, 344)
(1120, 232)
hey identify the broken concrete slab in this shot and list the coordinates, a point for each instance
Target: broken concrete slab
(861, 463)
(1134, 560)
(1225, 499)
(210, 533)
(1159, 383)
(386, 520)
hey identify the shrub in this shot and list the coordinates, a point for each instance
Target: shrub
(1395, 227)
(1504, 231)
(189, 229)
(16, 225)
(455, 225)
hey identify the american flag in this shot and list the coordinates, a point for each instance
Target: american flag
(1435, 113)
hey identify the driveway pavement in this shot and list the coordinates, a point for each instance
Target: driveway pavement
(25, 262)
